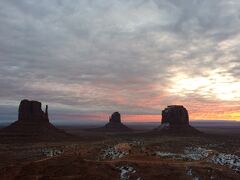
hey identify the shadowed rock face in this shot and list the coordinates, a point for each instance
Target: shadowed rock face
(175, 115)
(175, 120)
(115, 124)
(115, 118)
(32, 111)
(32, 125)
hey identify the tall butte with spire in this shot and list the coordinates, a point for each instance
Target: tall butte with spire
(30, 111)
(32, 124)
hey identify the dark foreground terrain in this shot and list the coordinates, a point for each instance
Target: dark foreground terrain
(134, 155)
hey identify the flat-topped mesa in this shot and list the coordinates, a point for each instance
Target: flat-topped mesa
(32, 111)
(175, 115)
(175, 121)
(115, 118)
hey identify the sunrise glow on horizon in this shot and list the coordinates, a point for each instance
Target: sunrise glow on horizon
(89, 59)
(102, 117)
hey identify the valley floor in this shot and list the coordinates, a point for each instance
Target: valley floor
(124, 156)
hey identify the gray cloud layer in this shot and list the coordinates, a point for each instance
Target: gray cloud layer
(123, 55)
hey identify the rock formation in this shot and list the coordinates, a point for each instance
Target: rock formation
(115, 124)
(32, 111)
(115, 118)
(175, 115)
(32, 125)
(175, 119)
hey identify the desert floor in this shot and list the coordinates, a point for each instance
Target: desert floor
(136, 155)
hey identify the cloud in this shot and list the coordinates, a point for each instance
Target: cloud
(131, 56)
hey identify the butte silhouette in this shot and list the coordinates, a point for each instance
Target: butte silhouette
(32, 125)
(175, 120)
(115, 124)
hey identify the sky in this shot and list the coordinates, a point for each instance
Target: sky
(89, 58)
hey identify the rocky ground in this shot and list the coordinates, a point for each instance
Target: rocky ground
(124, 156)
